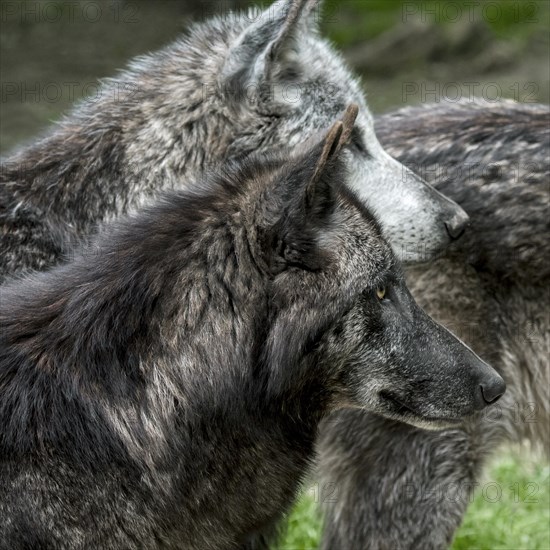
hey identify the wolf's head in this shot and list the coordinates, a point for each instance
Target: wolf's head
(285, 83)
(339, 302)
(232, 86)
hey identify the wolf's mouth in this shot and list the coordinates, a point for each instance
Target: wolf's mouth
(397, 404)
(400, 409)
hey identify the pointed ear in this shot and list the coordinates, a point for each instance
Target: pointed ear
(310, 199)
(335, 139)
(314, 13)
(261, 51)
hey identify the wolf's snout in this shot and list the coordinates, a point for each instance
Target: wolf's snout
(493, 390)
(457, 224)
(490, 391)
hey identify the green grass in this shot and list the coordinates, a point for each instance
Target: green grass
(304, 526)
(510, 511)
(520, 519)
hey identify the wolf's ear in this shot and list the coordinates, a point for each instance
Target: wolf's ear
(335, 139)
(264, 51)
(308, 200)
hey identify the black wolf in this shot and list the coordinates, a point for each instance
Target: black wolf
(165, 387)
(400, 487)
(233, 86)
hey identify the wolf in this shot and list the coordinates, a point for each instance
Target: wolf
(236, 85)
(399, 487)
(164, 388)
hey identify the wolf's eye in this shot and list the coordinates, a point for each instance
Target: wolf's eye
(381, 292)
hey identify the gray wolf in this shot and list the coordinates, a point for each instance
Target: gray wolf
(233, 86)
(164, 388)
(400, 487)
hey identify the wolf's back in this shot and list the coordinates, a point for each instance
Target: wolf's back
(492, 159)
(491, 288)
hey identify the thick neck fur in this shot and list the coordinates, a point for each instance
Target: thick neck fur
(158, 305)
(162, 121)
(149, 367)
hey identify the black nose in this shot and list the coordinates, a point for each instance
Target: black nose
(490, 391)
(457, 224)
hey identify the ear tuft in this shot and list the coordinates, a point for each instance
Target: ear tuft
(306, 199)
(260, 50)
(313, 5)
(348, 121)
(313, 12)
(336, 138)
(331, 146)
(293, 17)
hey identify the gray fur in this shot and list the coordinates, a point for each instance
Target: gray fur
(400, 487)
(164, 388)
(232, 86)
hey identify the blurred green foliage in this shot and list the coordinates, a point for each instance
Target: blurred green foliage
(507, 45)
(510, 511)
(353, 21)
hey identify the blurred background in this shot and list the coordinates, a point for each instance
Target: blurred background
(52, 53)
(407, 51)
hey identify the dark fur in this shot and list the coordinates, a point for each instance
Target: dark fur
(164, 388)
(492, 290)
(175, 112)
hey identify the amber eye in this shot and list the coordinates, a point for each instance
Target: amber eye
(381, 292)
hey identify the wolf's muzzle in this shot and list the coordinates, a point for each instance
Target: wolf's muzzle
(490, 391)
(457, 225)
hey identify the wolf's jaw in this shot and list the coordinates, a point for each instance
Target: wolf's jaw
(397, 410)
